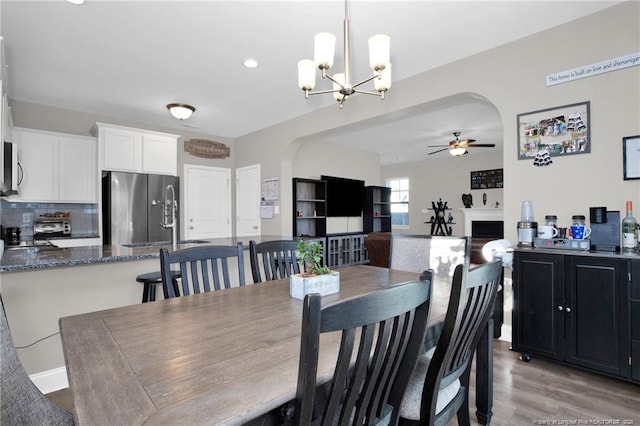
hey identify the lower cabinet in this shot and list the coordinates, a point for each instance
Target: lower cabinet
(345, 249)
(576, 309)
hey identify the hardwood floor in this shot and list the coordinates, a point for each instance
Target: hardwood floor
(541, 392)
(538, 392)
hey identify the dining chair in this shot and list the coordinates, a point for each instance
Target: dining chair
(382, 335)
(417, 253)
(22, 402)
(276, 259)
(439, 386)
(202, 268)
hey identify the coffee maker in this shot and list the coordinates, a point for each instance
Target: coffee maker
(605, 229)
(527, 227)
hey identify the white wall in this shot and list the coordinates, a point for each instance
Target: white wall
(445, 179)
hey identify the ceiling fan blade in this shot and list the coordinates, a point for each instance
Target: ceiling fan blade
(482, 145)
(437, 146)
(440, 150)
(465, 141)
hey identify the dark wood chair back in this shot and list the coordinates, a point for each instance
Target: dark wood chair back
(417, 253)
(473, 294)
(383, 332)
(202, 268)
(276, 259)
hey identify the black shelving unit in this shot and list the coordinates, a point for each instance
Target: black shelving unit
(377, 209)
(440, 225)
(309, 207)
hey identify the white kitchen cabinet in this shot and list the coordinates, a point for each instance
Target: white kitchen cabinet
(120, 149)
(127, 149)
(159, 154)
(57, 167)
(77, 171)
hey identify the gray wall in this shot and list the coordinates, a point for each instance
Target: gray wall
(512, 77)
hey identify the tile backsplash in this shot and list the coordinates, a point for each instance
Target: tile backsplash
(84, 217)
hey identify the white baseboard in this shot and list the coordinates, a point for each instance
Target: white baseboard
(51, 380)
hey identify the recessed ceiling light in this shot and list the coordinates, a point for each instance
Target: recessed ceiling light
(76, 2)
(250, 63)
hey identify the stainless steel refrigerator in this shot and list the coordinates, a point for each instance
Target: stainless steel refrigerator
(133, 207)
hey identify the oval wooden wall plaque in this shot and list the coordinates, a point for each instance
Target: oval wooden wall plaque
(206, 149)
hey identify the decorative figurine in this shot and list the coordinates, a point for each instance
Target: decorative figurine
(484, 198)
(467, 200)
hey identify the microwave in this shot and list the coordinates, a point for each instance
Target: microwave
(10, 168)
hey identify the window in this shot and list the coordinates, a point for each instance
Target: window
(399, 201)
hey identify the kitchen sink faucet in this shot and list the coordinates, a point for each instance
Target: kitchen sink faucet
(169, 216)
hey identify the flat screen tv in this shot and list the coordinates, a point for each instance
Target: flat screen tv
(344, 196)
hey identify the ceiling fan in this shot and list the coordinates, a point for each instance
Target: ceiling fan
(459, 147)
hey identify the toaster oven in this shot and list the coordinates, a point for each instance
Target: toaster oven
(45, 228)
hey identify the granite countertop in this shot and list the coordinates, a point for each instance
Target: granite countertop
(42, 257)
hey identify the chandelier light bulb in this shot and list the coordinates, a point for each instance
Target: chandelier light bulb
(306, 74)
(324, 50)
(379, 48)
(383, 83)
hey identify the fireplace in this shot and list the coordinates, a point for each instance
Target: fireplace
(481, 215)
(493, 229)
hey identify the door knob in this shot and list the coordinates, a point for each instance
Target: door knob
(568, 309)
(560, 308)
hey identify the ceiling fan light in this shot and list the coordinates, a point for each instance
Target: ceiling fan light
(324, 49)
(181, 111)
(383, 83)
(379, 48)
(458, 151)
(306, 74)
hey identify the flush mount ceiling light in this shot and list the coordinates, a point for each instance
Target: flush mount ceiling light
(250, 63)
(181, 111)
(76, 2)
(324, 48)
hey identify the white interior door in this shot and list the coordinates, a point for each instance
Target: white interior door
(248, 201)
(208, 202)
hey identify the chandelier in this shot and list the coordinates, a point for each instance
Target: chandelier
(324, 48)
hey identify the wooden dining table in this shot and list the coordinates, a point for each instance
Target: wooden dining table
(221, 358)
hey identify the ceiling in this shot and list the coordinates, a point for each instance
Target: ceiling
(129, 59)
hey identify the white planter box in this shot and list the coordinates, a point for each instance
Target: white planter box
(300, 286)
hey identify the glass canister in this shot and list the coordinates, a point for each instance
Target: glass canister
(551, 220)
(578, 220)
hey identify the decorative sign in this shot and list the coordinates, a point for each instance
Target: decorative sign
(206, 149)
(594, 69)
(484, 179)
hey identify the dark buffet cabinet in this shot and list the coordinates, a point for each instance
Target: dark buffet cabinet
(582, 310)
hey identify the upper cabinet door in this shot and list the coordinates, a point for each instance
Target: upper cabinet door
(159, 155)
(126, 149)
(121, 150)
(38, 155)
(78, 170)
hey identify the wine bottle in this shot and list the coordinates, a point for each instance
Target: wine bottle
(629, 233)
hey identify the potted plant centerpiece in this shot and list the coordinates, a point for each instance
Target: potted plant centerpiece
(315, 277)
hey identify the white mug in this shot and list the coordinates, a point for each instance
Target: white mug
(547, 232)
